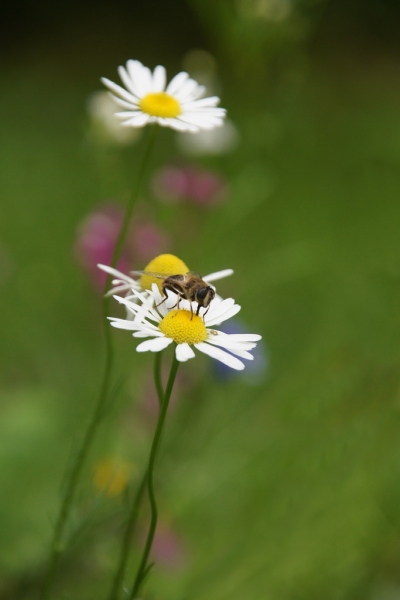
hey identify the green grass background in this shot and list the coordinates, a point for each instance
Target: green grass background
(288, 489)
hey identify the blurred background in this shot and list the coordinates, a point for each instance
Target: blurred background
(279, 483)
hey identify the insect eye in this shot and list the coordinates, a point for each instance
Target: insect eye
(205, 295)
(202, 293)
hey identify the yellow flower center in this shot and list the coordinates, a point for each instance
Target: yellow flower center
(160, 104)
(167, 264)
(183, 329)
(112, 476)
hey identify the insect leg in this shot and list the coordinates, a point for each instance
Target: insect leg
(167, 289)
(164, 299)
(204, 314)
(177, 305)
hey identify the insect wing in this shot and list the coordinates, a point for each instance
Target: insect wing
(151, 274)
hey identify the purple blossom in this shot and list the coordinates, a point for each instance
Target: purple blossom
(189, 183)
(97, 235)
(167, 548)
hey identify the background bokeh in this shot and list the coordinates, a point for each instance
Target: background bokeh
(283, 483)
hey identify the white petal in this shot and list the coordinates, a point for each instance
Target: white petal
(123, 324)
(199, 92)
(218, 275)
(147, 333)
(193, 127)
(154, 345)
(218, 308)
(134, 68)
(123, 103)
(201, 113)
(156, 293)
(237, 350)
(211, 101)
(127, 81)
(144, 310)
(176, 124)
(228, 344)
(124, 282)
(138, 120)
(242, 337)
(125, 287)
(147, 303)
(242, 354)
(135, 325)
(215, 304)
(184, 352)
(223, 317)
(114, 272)
(176, 82)
(203, 121)
(185, 92)
(158, 300)
(141, 76)
(117, 89)
(220, 355)
(215, 111)
(128, 114)
(146, 79)
(159, 79)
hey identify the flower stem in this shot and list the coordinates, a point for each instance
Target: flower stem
(125, 225)
(157, 377)
(126, 541)
(144, 567)
(57, 544)
(132, 518)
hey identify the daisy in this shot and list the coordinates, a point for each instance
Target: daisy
(147, 99)
(167, 264)
(165, 325)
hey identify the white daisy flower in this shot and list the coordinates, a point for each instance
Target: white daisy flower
(165, 326)
(167, 264)
(178, 105)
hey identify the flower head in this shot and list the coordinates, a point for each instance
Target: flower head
(196, 185)
(167, 264)
(178, 105)
(165, 325)
(168, 548)
(95, 241)
(111, 476)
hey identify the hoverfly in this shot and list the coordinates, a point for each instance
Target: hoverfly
(189, 287)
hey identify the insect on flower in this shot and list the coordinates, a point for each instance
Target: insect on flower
(189, 287)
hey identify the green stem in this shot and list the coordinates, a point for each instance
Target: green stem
(132, 518)
(57, 545)
(133, 199)
(126, 541)
(142, 570)
(157, 376)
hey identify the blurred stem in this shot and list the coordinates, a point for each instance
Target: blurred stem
(132, 518)
(144, 567)
(126, 541)
(57, 544)
(132, 201)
